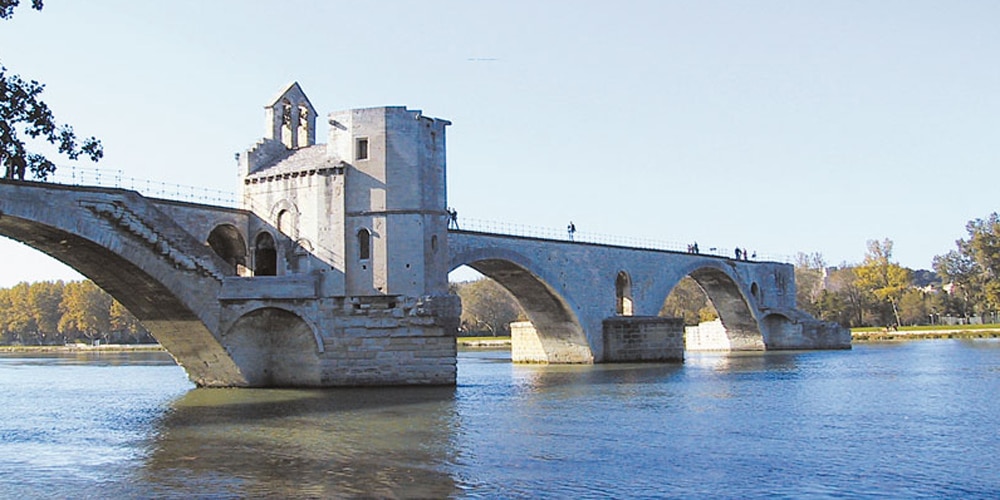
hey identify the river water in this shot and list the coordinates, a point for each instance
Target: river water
(906, 420)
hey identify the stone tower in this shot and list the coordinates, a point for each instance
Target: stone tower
(369, 205)
(395, 223)
(348, 242)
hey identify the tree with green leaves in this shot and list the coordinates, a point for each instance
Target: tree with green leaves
(965, 282)
(23, 112)
(44, 299)
(914, 307)
(689, 301)
(124, 324)
(19, 322)
(86, 310)
(885, 279)
(974, 267)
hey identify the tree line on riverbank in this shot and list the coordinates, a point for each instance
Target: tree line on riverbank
(56, 313)
(964, 286)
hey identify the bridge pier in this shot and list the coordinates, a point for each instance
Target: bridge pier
(630, 339)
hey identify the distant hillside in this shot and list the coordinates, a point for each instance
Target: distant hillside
(923, 277)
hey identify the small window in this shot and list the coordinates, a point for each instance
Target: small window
(361, 151)
(364, 244)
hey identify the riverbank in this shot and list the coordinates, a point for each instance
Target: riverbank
(469, 342)
(925, 333)
(857, 335)
(484, 342)
(82, 348)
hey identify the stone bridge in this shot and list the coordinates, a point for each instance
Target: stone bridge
(568, 289)
(334, 270)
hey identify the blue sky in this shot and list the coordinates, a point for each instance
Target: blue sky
(778, 126)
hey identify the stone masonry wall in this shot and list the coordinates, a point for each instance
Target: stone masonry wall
(632, 338)
(401, 345)
(707, 336)
(525, 346)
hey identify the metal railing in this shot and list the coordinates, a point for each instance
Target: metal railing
(83, 176)
(549, 233)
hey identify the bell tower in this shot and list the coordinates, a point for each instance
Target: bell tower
(291, 118)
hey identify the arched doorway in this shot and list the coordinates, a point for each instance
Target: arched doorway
(265, 256)
(227, 242)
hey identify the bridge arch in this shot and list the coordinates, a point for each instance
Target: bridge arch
(558, 326)
(136, 253)
(275, 347)
(727, 293)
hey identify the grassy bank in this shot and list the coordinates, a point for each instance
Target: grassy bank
(484, 341)
(82, 348)
(875, 334)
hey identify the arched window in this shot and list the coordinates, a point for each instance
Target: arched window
(265, 256)
(623, 294)
(285, 222)
(364, 244)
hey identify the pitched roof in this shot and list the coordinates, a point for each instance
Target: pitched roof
(292, 91)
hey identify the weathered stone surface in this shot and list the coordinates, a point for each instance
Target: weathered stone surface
(568, 289)
(634, 338)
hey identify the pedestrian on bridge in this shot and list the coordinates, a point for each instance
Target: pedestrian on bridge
(571, 229)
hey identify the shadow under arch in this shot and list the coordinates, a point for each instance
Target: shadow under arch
(741, 327)
(781, 329)
(559, 331)
(275, 348)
